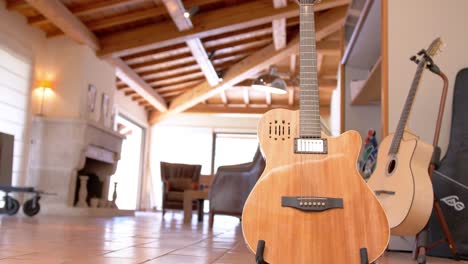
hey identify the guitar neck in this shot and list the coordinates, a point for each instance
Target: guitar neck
(309, 94)
(407, 109)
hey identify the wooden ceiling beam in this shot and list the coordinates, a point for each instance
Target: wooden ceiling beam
(59, 14)
(268, 98)
(17, 5)
(134, 81)
(238, 17)
(200, 55)
(176, 10)
(279, 26)
(224, 98)
(88, 9)
(125, 18)
(246, 97)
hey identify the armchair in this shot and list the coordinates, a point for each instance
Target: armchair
(176, 179)
(231, 186)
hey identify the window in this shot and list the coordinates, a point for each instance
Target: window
(129, 168)
(232, 148)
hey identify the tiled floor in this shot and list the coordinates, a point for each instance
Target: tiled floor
(145, 238)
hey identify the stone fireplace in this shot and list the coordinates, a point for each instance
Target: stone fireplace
(65, 148)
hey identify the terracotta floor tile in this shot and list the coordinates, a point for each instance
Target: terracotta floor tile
(145, 238)
(178, 259)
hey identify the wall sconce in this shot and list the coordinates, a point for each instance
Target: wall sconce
(44, 87)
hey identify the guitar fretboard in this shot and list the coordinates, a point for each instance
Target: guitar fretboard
(309, 94)
(407, 109)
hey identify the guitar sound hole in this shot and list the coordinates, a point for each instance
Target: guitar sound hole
(391, 166)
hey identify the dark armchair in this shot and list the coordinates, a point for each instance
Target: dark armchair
(176, 179)
(231, 186)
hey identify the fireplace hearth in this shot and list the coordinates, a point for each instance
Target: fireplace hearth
(64, 149)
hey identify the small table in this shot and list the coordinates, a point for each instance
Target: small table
(189, 196)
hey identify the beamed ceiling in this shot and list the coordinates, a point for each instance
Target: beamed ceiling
(168, 63)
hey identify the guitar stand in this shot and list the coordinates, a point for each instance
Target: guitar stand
(261, 248)
(422, 237)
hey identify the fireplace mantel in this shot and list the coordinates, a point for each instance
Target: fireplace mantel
(60, 147)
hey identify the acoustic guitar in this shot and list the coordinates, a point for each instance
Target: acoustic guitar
(401, 178)
(311, 205)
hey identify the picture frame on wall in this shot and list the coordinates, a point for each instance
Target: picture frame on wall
(105, 106)
(91, 98)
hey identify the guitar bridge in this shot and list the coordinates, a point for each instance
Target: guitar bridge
(310, 146)
(310, 203)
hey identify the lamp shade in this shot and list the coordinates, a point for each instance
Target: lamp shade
(44, 84)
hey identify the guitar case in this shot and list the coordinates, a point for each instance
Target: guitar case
(450, 180)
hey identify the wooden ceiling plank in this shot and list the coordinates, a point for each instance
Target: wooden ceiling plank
(17, 5)
(91, 8)
(179, 79)
(125, 18)
(134, 81)
(177, 86)
(59, 14)
(159, 54)
(279, 26)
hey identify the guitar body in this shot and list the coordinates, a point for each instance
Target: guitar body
(295, 236)
(409, 208)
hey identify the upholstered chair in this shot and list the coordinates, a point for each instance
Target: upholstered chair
(176, 179)
(231, 186)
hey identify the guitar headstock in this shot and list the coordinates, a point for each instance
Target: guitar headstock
(426, 55)
(435, 47)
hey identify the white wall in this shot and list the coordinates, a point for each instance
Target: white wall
(18, 46)
(412, 26)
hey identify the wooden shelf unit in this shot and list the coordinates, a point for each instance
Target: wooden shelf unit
(369, 92)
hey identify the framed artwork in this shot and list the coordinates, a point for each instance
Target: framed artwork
(105, 111)
(91, 98)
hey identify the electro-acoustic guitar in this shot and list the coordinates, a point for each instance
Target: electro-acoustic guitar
(401, 179)
(311, 205)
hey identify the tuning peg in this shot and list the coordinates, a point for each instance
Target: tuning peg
(414, 58)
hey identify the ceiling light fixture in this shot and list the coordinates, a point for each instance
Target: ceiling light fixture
(192, 11)
(270, 82)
